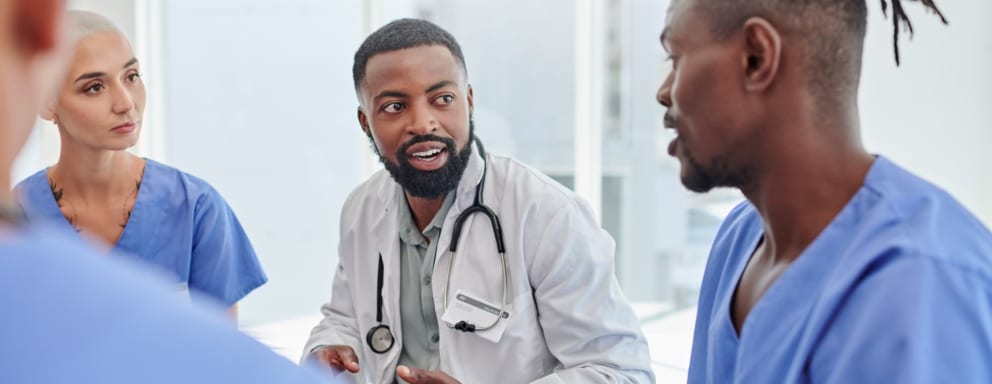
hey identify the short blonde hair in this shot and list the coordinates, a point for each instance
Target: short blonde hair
(85, 23)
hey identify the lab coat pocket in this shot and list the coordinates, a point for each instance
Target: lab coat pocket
(525, 333)
(523, 326)
(378, 366)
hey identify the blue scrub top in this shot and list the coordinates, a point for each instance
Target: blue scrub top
(180, 224)
(896, 289)
(72, 316)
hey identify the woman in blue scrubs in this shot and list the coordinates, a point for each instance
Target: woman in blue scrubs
(126, 203)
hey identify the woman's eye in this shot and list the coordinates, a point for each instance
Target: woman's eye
(93, 88)
(133, 77)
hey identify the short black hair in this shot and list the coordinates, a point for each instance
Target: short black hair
(403, 34)
(833, 32)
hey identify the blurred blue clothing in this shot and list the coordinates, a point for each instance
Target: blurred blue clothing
(896, 289)
(72, 316)
(180, 224)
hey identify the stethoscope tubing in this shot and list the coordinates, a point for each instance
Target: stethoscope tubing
(476, 207)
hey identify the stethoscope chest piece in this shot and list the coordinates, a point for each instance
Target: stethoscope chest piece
(380, 339)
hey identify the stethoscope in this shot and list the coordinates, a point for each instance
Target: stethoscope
(380, 338)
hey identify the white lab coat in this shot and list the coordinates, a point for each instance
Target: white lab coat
(570, 322)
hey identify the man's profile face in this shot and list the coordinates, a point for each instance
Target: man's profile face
(704, 98)
(416, 108)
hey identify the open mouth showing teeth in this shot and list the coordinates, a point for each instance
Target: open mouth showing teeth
(428, 154)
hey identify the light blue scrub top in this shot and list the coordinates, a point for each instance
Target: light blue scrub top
(72, 316)
(896, 289)
(180, 224)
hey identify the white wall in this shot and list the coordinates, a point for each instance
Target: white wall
(933, 114)
(260, 103)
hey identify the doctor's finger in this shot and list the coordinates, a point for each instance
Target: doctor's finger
(341, 357)
(418, 376)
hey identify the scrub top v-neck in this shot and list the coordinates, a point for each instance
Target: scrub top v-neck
(179, 224)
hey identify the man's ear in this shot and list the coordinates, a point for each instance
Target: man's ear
(38, 24)
(762, 54)
(471, 101)
(363, 121)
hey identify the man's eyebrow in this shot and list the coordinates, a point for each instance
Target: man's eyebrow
(666, 40)
(432, 88)
(439, 85)
(390, 94)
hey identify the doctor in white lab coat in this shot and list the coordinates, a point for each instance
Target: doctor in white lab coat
(566, 319)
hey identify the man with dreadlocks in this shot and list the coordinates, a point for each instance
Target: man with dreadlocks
(841, 267)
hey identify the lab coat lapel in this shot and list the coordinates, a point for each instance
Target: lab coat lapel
(385, 235)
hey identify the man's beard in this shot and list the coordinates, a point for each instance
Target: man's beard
(718, 173)
(429, 184)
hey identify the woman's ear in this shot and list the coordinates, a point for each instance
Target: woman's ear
(48, 111)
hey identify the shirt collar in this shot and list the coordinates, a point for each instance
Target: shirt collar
(408, 231)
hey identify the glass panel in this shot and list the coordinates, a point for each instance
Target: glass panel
(522, 76)
(663, 232)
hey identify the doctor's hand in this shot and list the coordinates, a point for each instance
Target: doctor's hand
(341, 357)
(419, 376)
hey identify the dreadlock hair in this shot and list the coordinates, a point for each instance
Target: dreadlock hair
(899, 16)
(403, 34)
(832, 32)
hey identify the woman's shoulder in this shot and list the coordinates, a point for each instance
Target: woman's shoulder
(168, 182)
(36, 180)
(33, 189)
(159, 173)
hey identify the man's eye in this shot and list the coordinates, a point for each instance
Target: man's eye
(674, 60)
